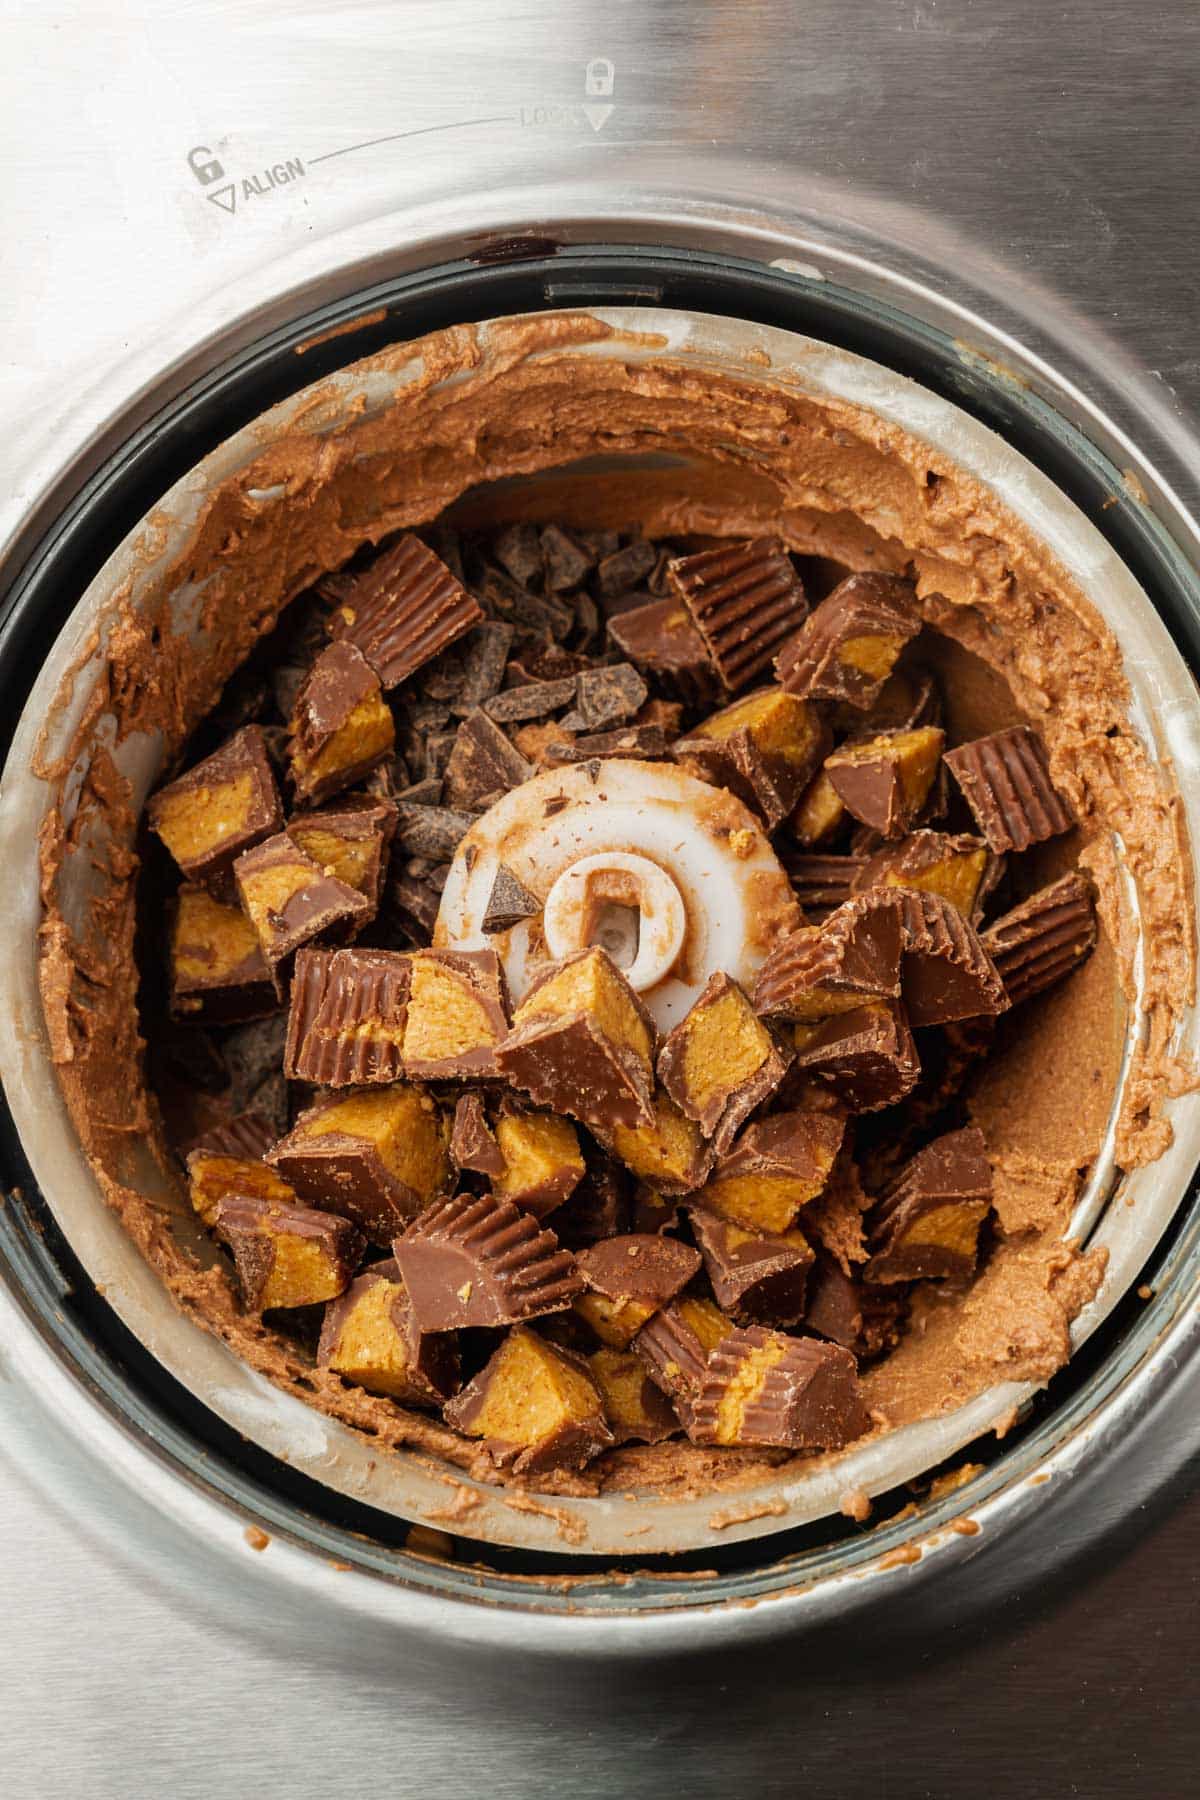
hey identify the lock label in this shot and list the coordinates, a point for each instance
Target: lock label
(204, 165)
(600, 77)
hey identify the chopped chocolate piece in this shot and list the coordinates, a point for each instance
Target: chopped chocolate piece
(223, 806)
(533, 700)
(637, 1410)
(531, 613)
(582, 1043)
(819, 812)
(536, 1406)
(519, 548)
(411, 908)
(347, 1015)
(420, 793)
(720, 1061)
(1044, 938)
(945, 971)
(545, 662)
(253, 1053)
(909, 697)
(848, 647)
(404, 609)
(608, 696)
(854, 955)
(822, 883)
(755, 1276)
(624, 569)
(377, 1157)
(861, 1317)
(472, 1143)
(229, 1161)
(287, 1255)
(629, 1279)
(775, 1168)
(762, 1387)
(218, 971)
(566, 562)
(745, 600)
(370, 1337)
(661, 640)
(670, 1153)
(480, 660)
(482, 762)
(350, 842)
(867, 1058)
(341, 727)
(289, 899)
(543, 1164)
(483, 1262)
(599, 1207)
(927, 1223)
(510, 901)
(676, 1344)
(765, 748)
(433, 831)
(456, 1015)
(1005, 780)
(960, 868)
(643, 743)
(886, 780)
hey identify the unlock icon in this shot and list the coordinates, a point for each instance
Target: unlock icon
(204, 165)
(599, 77)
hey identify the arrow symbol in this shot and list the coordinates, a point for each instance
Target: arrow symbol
(597, 116)
(224, 196)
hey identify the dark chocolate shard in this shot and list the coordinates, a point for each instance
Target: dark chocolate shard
(609, 696)
(565, 560)
(661, 640)
(509, 902)
(629, 1279)
(720, 1062)
(763, 1387)
(222, 806)
(472, 1142)
(403, 610)
(483, 1262)
(848, 647)
(927, 1223)
(532, 700)
(285, 1255)
(945, 971)
(376, 1155)
(957, 866)
(867, 1058)
(863, 1318)
(821, 883)
(369, 1337)
(482, 762)
(518, 548)
(341, 727)
(626, 568)
(346, 1018)
(1045, 938)
(745, 599)
(853, 956)
(535, 1405)
(756, 1277)
(1005, 780)
(481, 657)
(432, 831)
(886, 781)
(641, 743)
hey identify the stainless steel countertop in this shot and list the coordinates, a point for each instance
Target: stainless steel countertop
(1041, 153)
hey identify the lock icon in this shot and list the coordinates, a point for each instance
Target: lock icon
(599, 76)
(204, 165)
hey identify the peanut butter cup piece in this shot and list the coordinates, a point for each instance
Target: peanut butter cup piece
(289, 899)
(662, 640)
(542, 1161)
(369, 1337)
(1043, 939)
(218, 973)
(637, 1410)
(629, 1279)
(1005, 780)
(851, 957)
(341, 728)
(670, 1153)
(849, 645)
(777, 1166)
(675, 1346)
(350, 842)
(582, 1043)
(867, 1058)
(821, 883)
(886, 780)
(720, 1062)
(377, 1156)
(745, 600)
(472, 1142)
(765, 748)
(957, 866)
(535, 1405)
(403, 610)
(285, 1255)
(763, 1387)
(483, 1262)
(228, 1160)
(346, 1018)
(945, 972)
(756, 1277)
(819, 813)
(224, 805)
(456, 1015)
(927, 1223)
